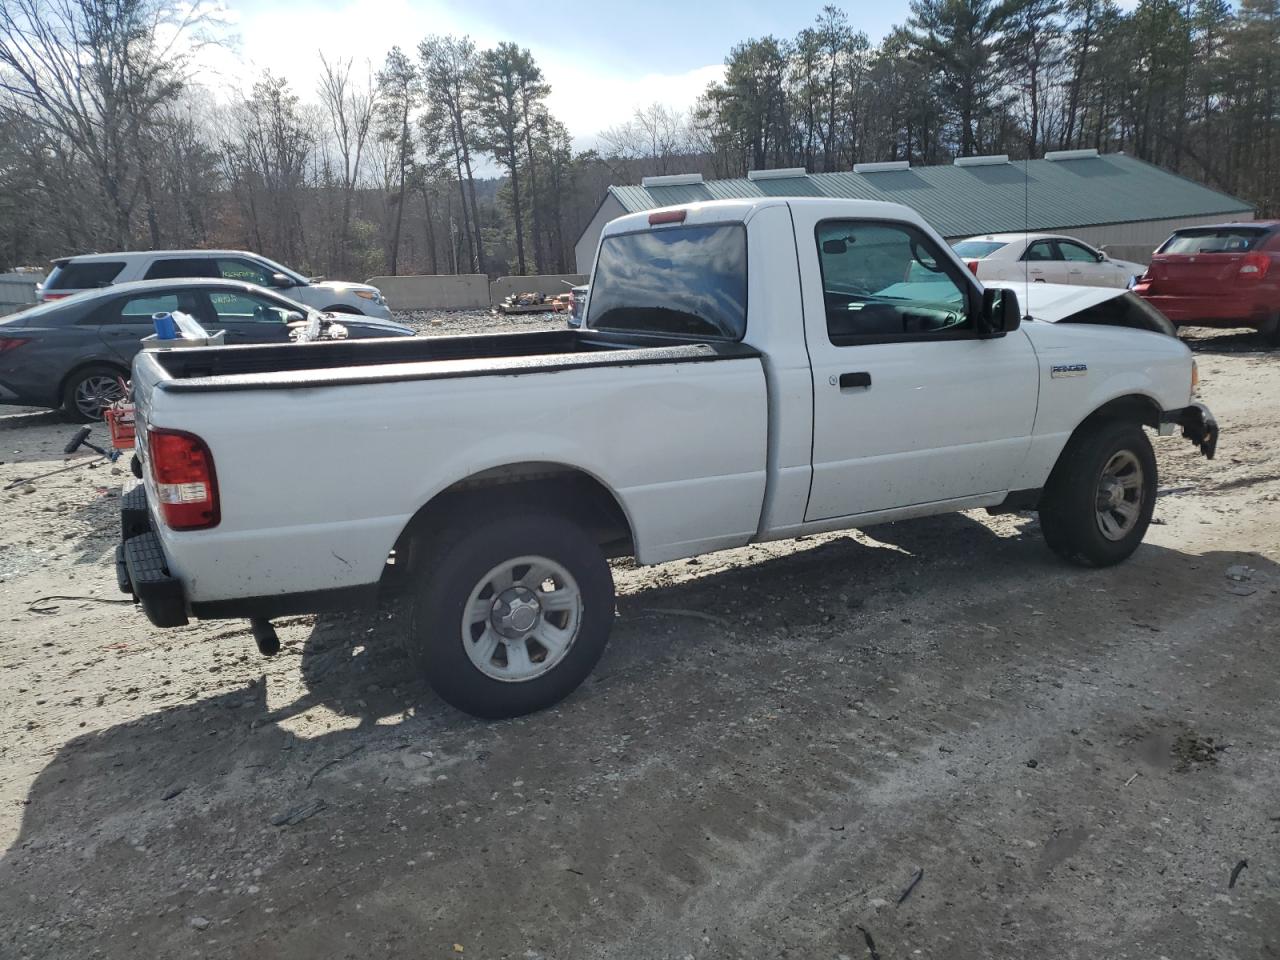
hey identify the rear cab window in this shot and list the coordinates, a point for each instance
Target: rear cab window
(676, 281)
(1214, 240)
(83, 275)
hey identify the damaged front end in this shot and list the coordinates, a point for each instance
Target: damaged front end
(1198, 426)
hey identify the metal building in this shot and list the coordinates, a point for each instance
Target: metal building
(1108, 200)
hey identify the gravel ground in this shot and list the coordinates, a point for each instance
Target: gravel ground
(439, 323)
(779, 741)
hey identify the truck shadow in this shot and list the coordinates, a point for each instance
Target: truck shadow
(172, 798)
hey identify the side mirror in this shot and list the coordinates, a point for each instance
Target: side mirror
(1102, 257)
(1000, 312)
(293, 316)
(281, 281)
(835, 247)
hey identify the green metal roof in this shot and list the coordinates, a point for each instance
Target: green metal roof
(998, 198)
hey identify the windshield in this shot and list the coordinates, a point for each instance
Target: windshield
(674, 281)
(977, 249)
(1213, 240)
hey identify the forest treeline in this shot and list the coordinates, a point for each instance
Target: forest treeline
(111, 137)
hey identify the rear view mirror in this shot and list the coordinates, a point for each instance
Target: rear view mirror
(1000, 312)
(835, 247)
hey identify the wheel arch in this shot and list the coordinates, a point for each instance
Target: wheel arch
(344, 308)
(1139, 408)
(544, 485)
(85, 364)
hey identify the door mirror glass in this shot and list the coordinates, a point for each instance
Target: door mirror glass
(281, 281)
(1000, 312)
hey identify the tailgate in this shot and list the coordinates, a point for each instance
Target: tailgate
(1194, 273)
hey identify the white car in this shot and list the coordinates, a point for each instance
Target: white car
(749, 370)
(1044, 258)
(72, 275)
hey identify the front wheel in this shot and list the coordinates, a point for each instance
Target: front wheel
(1097, 506)
(512, 613)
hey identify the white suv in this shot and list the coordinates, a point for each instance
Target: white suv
(74, 274)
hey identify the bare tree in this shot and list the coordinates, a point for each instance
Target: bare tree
(93, 74)
(656, 133)
(350, 106)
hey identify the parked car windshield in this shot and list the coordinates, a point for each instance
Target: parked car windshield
(674, 281)
(70, 275)
(1213, 240)
(977, 249)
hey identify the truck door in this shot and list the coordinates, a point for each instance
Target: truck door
(911, 406)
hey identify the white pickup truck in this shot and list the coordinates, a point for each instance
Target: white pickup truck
(749, 370)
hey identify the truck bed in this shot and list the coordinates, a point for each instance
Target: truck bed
(344, 362)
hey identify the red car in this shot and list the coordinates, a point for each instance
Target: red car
(1226, 275)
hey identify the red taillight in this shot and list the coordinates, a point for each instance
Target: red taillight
(186, 486)
(46, 297)
(1254, 266)
(10, 343)
(667, 216)
(973, 266)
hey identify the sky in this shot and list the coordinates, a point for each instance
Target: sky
(602, 59)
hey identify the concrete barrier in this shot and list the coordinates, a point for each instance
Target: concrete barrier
(468, 291)
(547, 284)
(17, 291)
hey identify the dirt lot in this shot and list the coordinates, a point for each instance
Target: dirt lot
(777, 741)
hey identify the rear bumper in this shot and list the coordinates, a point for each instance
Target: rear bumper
(1198, 425)
(143, 571)
(1221, 310)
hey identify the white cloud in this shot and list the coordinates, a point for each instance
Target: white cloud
(586, 96)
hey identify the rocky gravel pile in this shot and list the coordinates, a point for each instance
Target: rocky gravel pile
(444, 323)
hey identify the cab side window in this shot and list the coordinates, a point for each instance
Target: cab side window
(178, 268)
(888, 281)
(231, 307)
(141, 308)
(1075, 253)
(246, 271)
(1041, 250)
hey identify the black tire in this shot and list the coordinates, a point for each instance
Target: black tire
(456, 563)
(73, 401)
(1071, 514)
(1271, 331)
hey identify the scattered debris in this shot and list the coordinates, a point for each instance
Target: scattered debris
(297, 814)
(1191, 748)
(871, 944)
(681, 612)
(1033, 763)
(1131, 779)
(329, 763)
(200, 923)
(916, 878)
(1235, 873)
(173, 792)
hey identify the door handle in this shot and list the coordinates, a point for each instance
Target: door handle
(859, 379)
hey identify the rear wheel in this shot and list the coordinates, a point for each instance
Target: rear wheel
(1271, 331)
(1098, 503)
(90, 390)
(512, 613)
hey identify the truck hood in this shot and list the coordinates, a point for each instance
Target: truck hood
(1054, 302)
